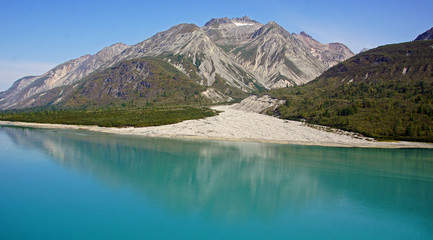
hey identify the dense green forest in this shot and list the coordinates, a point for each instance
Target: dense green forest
(385, 93)
(123, 117)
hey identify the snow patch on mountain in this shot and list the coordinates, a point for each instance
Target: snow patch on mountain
(239, 24)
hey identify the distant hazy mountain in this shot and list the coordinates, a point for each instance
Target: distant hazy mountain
(63, 74)
(364, 50)
(230, 58)
(428, 35)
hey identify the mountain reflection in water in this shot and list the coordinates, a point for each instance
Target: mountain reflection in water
(236, 180)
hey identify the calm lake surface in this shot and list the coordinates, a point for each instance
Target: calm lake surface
(67, 184)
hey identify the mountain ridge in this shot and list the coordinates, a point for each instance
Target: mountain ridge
(427, 35)
(385, 93)
(224, 54)
(63, 74)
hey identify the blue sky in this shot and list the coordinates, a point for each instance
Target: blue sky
(37, 35)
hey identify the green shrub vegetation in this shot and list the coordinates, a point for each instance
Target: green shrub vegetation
(141, 82)
(385, 93)
(123, 117)
(138, 93)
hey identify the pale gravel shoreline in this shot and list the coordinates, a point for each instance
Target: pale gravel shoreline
(236, 125)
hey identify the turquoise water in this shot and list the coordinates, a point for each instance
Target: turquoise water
(64, 184)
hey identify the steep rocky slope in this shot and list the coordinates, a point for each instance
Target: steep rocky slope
(229, 33)
(231, 58)
(258, 104)
(191, 50)
(138, 82)
(330, 53)
(275, 57)
(64, 74)
(428, 35)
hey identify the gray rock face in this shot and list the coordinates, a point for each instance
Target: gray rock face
(188, 44)
(238, 52)
(257, 104)
(29, 86)
(276, 59)
(231, 32)
(272, 55)
(330, 54)
(215, 96)
(61, 75)
(428, 35)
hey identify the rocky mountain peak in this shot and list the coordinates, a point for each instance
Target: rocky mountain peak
(428, 35)
(112, 50)
(275, 25)
(235, 31)
(215, 22)
(243, 21)
(364, 50)
(239, 21)
(329, 54)
(233, 56)
(271, 27)
(184, 28)
(119, 44)
(304, 34)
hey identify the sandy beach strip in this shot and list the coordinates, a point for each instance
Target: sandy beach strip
(237, 125)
